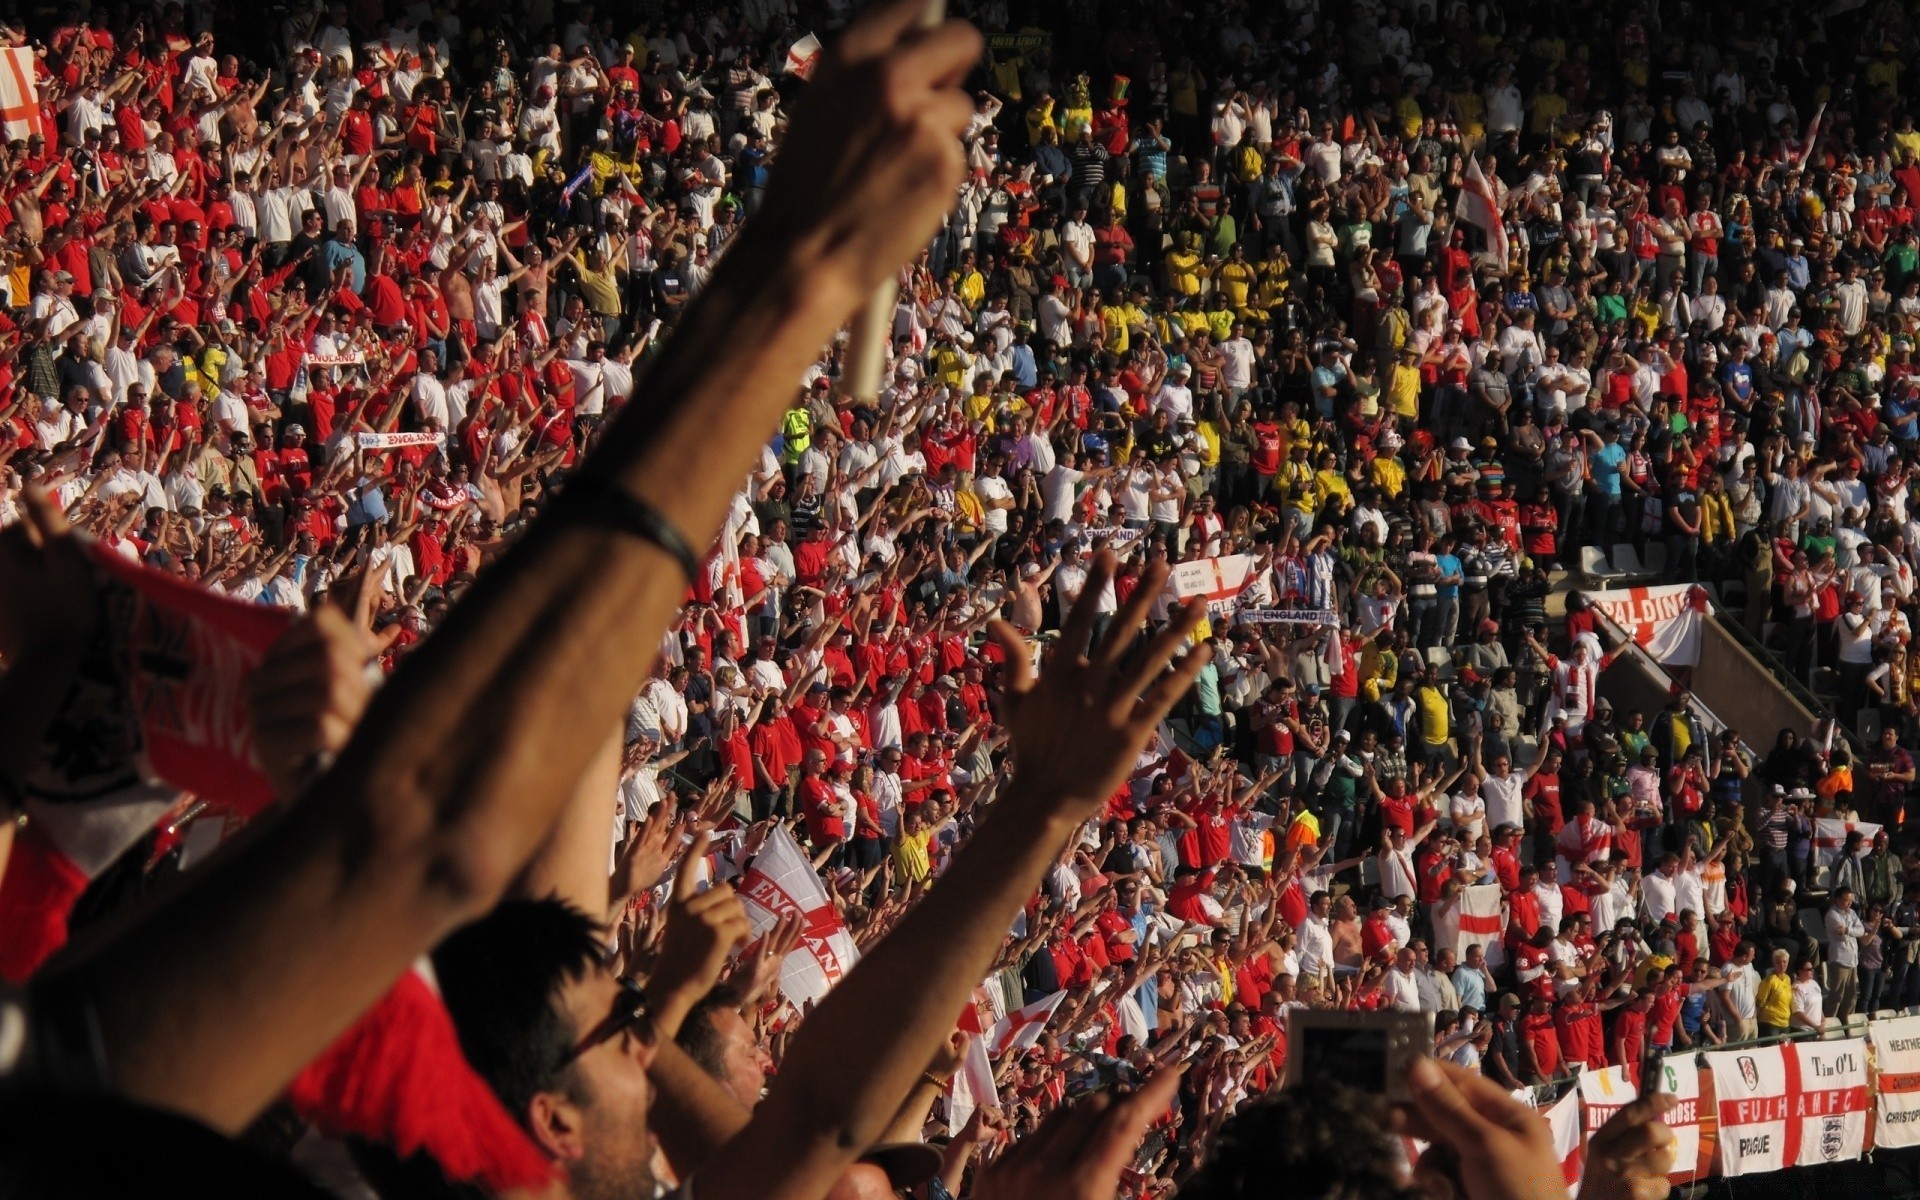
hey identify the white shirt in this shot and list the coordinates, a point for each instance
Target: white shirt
(1503, 799)
(430, 400)
(1656, 896)
(1402, 990)
(1690, 892)
(991, 488)
(1843, 933)
(1742, 985)
(1469, 814)
(1316, 947)
(1807, 1002)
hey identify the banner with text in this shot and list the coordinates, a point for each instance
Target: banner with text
(1896, 1065)
(1218, 580)
(1663, 621)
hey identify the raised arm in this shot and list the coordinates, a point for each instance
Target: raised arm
(1077, 731)
(210, 1000)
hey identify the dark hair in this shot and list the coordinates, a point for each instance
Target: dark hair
(501, 979)
(1329, 1142)
(698, 1035)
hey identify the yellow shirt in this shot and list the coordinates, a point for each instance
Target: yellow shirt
(1407, 109)
(1220, 322)
(910, 856)
(1403, 393)
(949, 366)
(1470, 113)
(1648, 316)
(1297, 482)
(1773, 1000)
(1235, 281)
(602, 290)
(1908, 142)
(1433, 714)
(1548, 107)
(1183, 272)
(1040, 119)
(1276, 275)
(970, 289)
(1333, 484)
(1389, 475)
(1118, 318)
(1209, 443)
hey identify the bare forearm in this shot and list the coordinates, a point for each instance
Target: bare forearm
(465, 759)
(857, 1056)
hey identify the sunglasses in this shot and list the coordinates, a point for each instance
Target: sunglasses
(629, 1008)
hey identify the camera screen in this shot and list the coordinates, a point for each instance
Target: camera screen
(1355, 1057)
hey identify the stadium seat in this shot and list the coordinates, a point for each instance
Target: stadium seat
(1656, 560)
(1626, 560)
(1440, 660)
(1595, 568)
(1885, 1014)
(1814, 927)
(1831, 1030)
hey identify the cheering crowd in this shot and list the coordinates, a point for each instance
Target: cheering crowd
(386, 317)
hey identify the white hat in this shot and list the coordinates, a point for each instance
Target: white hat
(1461, 443)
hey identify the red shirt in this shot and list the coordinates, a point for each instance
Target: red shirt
(1376, 937)
(1183, 898)
(1543, 792)
(824, 826)
(1664, 1012)
(1543, 1038)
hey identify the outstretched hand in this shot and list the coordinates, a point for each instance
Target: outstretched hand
(1080, 1151)
(50, 597)
(1631, 1156)
(1079, 726)
(703, 930)
(311, 688)
(1496, 1147)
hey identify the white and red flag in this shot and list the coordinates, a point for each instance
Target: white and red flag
(782, 880)
(1023, 1026)
(1481, 202)
(20, 95)
(1218, 580)
(1663, 621)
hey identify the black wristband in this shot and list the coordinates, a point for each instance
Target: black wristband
(594, 501)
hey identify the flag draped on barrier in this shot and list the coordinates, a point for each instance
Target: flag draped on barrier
(1663, 621)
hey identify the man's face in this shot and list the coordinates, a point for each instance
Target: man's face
(597, 1127)
(746, 1064)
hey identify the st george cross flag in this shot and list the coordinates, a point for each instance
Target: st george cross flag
(1896, 1060)
(1218, 580)
(1023, 1027)
(972, 1085)
(1828, 1082)
(1476, 920)
(20, 95)
(1480, 205)
(1563, 1119)
(1829, 838)
(803, 56)
(1790, 1106)
(1663, 621)
(782, 880)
